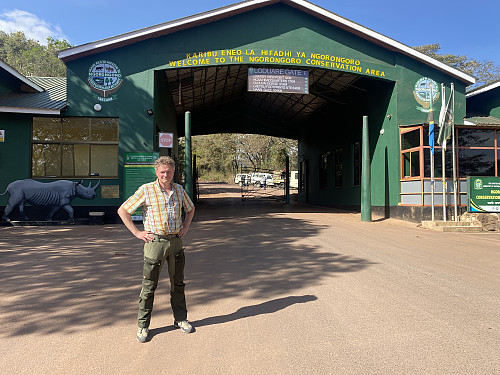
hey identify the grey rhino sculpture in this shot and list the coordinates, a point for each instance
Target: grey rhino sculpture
(56, 195)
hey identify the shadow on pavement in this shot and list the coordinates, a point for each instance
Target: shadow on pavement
(268, 307)
(67, 278)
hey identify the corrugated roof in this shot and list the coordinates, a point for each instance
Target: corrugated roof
(244, 6)
(50, 101)
(482, 120)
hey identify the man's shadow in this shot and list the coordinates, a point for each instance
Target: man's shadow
(245, 312)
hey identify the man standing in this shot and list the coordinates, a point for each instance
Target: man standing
(162, 202)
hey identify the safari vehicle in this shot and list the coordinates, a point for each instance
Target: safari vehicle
(240, 177)
(257, 179)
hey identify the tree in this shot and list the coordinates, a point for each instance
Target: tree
(30, 58)
(220, 156)
(485, 72)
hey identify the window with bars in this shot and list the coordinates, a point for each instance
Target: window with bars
(323, 171)
(338, 167)
(356, 150)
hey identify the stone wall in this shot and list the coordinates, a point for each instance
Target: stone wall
(490, 222)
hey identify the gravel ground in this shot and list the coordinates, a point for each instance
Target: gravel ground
(271, 289)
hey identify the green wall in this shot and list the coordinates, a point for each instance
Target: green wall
(15, 163)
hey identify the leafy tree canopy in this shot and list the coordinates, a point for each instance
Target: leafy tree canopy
(221, 156)
(30, 58)
(485, 72)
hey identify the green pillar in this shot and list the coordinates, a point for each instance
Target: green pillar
(287, 180)
(188, 170)
(366, 200)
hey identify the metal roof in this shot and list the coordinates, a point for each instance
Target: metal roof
(51, 100)
(482, 120)
(219, 99)
(244, 6)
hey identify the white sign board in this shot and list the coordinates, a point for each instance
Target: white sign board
(2, 135)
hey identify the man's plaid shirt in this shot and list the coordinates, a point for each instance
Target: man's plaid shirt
(161, 212)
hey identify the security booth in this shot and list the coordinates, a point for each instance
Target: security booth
(304, 73)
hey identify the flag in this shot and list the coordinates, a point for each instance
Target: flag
(446, 121)
(430, 120)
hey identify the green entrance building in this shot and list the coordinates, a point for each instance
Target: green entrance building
(284, 68)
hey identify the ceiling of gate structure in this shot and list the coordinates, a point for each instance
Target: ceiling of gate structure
(219, 101)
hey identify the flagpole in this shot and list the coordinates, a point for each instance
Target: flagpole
(443, 151)
(430, 119)
(443, 158)
(432, 184)
(453, 153)
(441, 113)
(446, 122)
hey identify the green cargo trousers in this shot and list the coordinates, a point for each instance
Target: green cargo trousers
(156, 253)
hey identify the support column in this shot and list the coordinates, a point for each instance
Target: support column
(366, 200)
(188, 170)
(287, 180)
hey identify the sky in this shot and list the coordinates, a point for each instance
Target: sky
(461, 27)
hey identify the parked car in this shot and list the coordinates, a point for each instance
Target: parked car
(259, 179)
(242, 178)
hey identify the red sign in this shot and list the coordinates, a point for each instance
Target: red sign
(166, 139)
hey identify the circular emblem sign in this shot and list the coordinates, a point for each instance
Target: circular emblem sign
(478, 184)
(105, 79)
(422, 93)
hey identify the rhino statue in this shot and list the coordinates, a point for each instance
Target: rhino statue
(56, 195)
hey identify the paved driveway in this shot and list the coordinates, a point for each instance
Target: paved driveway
(271, 289)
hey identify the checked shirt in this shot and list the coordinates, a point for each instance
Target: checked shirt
(161, 211)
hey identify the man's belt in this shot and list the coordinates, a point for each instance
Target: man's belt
(165, 236)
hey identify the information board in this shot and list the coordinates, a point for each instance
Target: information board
(287, 81)
(483, 194)
(138, 170)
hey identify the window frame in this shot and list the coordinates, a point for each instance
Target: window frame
(419, 149)
(324, 161)
(356, 163)
(338, 168)
(61, 143)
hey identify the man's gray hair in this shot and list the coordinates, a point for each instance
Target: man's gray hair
(164, 160)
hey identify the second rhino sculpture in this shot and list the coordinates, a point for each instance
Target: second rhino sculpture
(56, 195)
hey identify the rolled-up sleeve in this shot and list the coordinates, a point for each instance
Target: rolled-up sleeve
(187, 203)
(134, 201)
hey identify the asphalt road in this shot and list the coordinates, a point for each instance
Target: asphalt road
(271, 289)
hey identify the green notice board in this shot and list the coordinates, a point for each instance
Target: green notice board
(483, 194)
(138, 170)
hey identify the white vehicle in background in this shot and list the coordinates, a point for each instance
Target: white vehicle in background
(259, 179)
(294, 179)
(242, 178)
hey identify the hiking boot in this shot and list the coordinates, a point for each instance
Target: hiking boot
(142, 334)
(183, 325)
